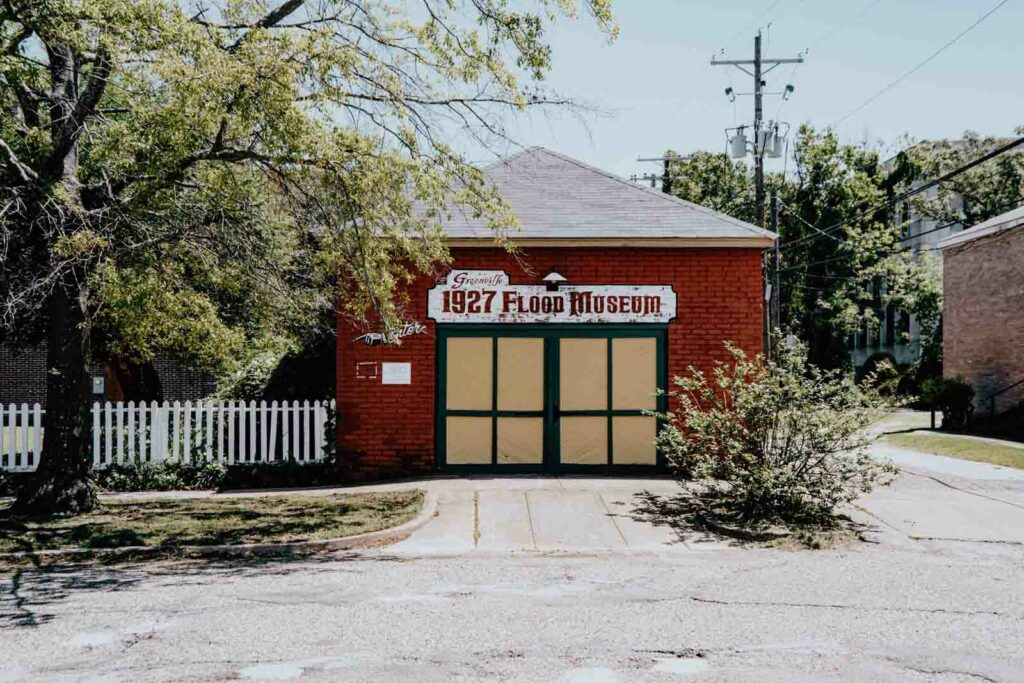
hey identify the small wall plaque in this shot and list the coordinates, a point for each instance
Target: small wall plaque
(396, 373)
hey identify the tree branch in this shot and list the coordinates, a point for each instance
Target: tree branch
(27, 174)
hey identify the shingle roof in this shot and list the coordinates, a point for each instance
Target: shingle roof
(556, 197)
(1005, 221)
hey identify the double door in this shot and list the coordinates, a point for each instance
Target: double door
(544, 397)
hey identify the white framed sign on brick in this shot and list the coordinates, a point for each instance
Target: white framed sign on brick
(487, 296)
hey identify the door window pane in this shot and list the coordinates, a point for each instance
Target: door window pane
(468, 440)
(521, 440)
(469, 373)
(520, 374)
(584, 440)
(634, 373)
(633, 440)
(583, 374)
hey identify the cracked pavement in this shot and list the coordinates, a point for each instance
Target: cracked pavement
(935, 592)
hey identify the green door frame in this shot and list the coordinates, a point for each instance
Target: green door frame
(550, 333)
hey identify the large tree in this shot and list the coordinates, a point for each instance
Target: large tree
(183, 174)
(840, 242)
(981, 192)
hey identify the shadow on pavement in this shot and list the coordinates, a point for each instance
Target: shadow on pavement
(26, 591)
(681, 513)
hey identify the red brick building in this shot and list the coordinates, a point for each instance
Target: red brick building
(548, 361)
(983, 311)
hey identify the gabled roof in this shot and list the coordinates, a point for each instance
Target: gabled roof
(1006, 221)
(557, 198)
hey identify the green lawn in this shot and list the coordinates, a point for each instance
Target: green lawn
(959, 447)
(213, 521)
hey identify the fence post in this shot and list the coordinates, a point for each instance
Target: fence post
(285, 430)
(37, 433)
(145, 437)
(272, 452)
(108, 432)
(120, 432)
(220, 431)
(318, 431)
(296, 429)
(231, 433)
(252, 431)
(305, 431)
(131, 430)
(24, 435)
(95, 434)
(186, 428)
(242, 450)
(208, 443)
(158, 433)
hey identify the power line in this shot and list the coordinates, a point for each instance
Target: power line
(893, 252)
(921, 64)
(916, 191)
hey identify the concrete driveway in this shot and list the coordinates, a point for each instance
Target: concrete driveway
(547, 515)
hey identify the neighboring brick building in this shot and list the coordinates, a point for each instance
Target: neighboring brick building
(983, 310)
(502, 369)
(23, 378)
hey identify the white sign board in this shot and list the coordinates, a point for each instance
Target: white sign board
(487, 296)
(396, 373)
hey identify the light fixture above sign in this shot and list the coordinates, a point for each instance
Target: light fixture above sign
(553, 279)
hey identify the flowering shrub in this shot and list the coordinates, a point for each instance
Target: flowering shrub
(774, 440)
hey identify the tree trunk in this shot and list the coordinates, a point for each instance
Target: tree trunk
(63, 482)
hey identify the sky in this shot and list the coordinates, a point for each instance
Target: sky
(654, 88)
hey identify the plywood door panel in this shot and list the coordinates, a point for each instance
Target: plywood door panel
(470, 376)
(468, 440)
(634, 373)
(521, 373)
(583, 374)
(633, 440)
(584, 440)
(521, 440)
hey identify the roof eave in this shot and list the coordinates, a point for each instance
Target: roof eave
(752, 242)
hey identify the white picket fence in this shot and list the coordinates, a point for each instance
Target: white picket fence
(227, 432)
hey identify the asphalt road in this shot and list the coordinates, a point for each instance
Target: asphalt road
(935, 594)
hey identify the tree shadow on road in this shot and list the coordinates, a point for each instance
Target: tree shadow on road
(682, 514)
(688, 517)
(30, 590)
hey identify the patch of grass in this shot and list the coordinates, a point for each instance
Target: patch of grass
(959, 447)
(212, 521)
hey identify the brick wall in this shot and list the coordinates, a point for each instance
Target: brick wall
(388, 430)
(983, 316)
(23, 377)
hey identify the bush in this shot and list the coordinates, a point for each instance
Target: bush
(774, 441)
(161, 476)
(285, 474)
(953, 397)
(172, 476)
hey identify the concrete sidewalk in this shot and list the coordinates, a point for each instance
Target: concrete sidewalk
(543, 515)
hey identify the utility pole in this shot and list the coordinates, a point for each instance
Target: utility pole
(666, 171)
(758, 145)
(775, 317)
(760, 136)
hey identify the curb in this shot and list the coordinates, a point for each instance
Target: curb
(297, 548)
